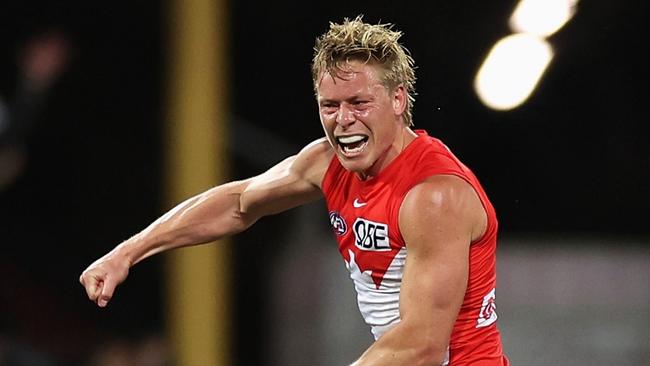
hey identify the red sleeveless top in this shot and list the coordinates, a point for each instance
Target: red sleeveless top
(364, 217)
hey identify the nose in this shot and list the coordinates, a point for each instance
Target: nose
(345, 116)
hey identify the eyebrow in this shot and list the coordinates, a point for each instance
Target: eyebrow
(352, 98)
(326, 101)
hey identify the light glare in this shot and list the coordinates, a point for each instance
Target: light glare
(512, 70)
(541, 17)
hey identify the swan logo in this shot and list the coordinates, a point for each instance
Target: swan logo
(488, 313)
(338, 223)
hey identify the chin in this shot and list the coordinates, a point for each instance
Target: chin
(355, 166)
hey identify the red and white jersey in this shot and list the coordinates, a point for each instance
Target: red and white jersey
(364, 217)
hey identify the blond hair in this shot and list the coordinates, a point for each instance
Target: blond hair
(374, 44)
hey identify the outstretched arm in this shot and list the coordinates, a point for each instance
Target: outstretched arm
(224, 210)
(438, 219)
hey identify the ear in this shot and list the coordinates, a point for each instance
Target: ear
(399, 100)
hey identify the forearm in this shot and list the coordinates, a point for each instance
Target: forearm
(406, 345)
(200, 219)
(223, 210)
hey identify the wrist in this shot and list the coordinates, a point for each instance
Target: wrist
(125, 253)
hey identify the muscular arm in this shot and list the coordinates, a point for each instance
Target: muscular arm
(224, 210)
(438, 219)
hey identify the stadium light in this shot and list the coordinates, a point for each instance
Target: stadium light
(512, 70)
(541, 17)
(516, 63)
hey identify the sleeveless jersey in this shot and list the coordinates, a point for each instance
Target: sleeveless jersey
(364, 217)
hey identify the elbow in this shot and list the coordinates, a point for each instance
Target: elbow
(428, 345)
(430, 354)
(429, 349)
(241, 221)
(228, 223)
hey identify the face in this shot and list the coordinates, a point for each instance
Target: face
(362, 118)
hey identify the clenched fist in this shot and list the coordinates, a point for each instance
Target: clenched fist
(102, 277)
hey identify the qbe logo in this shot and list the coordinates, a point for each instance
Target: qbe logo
(370, 235)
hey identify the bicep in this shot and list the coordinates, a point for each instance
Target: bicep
(437, 220)
(292, 182)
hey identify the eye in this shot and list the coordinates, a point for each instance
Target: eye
(360, 104)
(328, 106)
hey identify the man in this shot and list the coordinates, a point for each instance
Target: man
(414, 226)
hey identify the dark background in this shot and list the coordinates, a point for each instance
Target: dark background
(573, 160)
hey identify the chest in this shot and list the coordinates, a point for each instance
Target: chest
(365, 221)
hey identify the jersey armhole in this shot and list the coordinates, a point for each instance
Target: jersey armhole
(333, 166)
(490, 224)
(487, 207)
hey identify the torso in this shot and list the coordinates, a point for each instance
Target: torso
(365, 217)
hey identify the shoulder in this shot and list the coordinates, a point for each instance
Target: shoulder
(313, 160)
(292, 182)
(445, 203)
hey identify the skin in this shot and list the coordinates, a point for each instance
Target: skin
(360, 105)
(439, 217)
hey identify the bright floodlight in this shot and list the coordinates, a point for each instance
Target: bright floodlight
(541, 17)
(511, 71)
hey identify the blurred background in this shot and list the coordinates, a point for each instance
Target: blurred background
(84, 90)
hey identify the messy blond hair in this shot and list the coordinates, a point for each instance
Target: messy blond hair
(355, 40)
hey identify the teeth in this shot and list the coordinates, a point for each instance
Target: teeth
(355, 150)
(351, 139)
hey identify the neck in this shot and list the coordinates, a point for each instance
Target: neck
(401, 142)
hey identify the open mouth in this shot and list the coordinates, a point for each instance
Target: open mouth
(353, 144)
